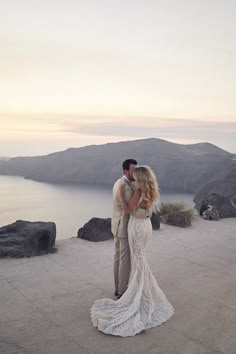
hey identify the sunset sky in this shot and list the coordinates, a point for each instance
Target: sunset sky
(75, 73)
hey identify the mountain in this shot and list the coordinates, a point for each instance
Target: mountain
(183, 168)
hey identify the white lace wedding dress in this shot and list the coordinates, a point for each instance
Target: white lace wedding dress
(143, 305)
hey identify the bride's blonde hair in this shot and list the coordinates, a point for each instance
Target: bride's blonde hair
(147, 183)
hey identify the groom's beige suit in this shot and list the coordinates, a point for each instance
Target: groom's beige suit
(119, 226)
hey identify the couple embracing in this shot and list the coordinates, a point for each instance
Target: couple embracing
(140, 304)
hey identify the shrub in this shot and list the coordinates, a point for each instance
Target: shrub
(176, 207)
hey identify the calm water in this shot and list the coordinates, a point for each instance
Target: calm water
(69, 206)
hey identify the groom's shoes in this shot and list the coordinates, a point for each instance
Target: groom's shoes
(117, 294)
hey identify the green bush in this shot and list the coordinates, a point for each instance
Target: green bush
(176, 207)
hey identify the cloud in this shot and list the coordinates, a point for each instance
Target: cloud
(100, 129)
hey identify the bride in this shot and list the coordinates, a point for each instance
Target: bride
(143, 305)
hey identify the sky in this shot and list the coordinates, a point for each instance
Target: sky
(76, 73)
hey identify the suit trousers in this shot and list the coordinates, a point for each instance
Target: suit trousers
(121, 264)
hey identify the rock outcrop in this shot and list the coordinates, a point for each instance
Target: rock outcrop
(210, 213)
(225, 206)
(176, 219)
(220, 190)
(99, 229)
(26, 239)
(96, 229)
(155, 220)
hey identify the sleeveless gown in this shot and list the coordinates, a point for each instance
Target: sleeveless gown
(143, 305)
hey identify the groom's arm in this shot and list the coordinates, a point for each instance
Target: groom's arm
(127, 191)
(125, 194)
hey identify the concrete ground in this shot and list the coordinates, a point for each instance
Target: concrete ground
(45, 301)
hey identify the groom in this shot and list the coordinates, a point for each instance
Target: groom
(119, 226)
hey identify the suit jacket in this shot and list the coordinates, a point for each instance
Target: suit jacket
(119, 221)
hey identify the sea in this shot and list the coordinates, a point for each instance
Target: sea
(69, 206)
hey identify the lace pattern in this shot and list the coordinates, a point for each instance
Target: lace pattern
(143, 305)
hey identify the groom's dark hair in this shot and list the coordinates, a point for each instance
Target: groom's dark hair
(127, 163)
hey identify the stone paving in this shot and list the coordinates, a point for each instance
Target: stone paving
(45, 301)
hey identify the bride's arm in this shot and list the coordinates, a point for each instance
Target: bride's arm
(128, 207)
